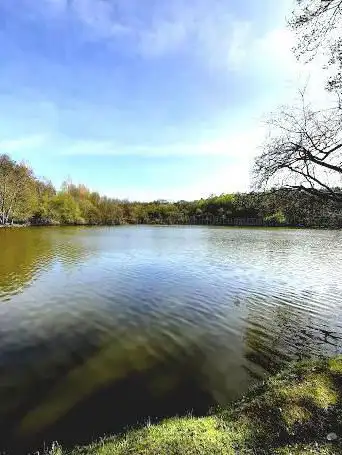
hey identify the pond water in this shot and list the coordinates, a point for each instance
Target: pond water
(104, 328)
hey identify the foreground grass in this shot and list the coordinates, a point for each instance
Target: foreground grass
(291, 413)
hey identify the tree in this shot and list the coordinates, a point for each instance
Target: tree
(303, 151)
(89, 212)
(65, 209)
(246, 204)
(45, 193)
(17, 190)
(111, 213)
(318, 24)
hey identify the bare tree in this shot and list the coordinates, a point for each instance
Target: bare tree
(303, 150)
(318, 24)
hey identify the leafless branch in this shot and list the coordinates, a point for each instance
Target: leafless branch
(303, 150)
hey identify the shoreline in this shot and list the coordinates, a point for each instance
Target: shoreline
(296, 412)
(28, 225)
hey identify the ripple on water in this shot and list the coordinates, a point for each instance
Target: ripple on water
(172, 319)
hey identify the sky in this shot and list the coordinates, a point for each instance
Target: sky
(143, 99)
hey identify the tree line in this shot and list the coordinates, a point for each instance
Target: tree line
(24, 198)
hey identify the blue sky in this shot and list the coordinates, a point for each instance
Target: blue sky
(142, 99)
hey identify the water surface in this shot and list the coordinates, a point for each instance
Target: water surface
(102, 328)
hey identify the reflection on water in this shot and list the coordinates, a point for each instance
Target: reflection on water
(27, 252)
(101, 328)
(23, 254)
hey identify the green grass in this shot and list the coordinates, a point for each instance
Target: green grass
(291, 413)
(174, 436)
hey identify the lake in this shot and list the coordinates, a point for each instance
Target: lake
(104, 328)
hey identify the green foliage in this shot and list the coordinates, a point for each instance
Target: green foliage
(277, 217)
(23, 197)
(65, 209)
(89, 212)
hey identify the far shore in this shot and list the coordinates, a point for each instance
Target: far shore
(231, 226)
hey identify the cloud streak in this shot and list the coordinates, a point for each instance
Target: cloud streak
(22, 144)
(236, 146)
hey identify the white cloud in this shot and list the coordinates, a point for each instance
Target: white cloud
(271, 57)
(233, 145)
(163, 37)
(204, 29)
(22, 144)
(99, 16)
(238, 46)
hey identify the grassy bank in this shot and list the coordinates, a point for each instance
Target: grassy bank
(299, 411)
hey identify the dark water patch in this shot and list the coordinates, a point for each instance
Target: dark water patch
(103, 328)
(75, 401)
